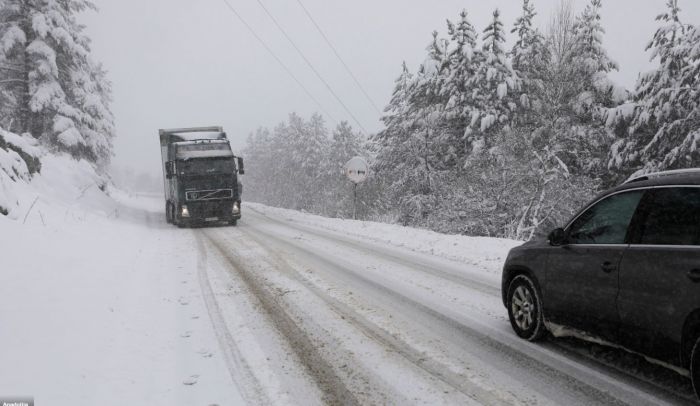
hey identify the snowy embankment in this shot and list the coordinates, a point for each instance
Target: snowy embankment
(19, 160)
(485, 253)
(100, 300)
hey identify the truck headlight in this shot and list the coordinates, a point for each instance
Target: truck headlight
(185, 211)
(236, 208)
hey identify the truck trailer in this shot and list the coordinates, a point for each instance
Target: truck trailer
(200, 177)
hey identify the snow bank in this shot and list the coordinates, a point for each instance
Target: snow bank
(101, 303)
(19, 159)
(34, 181)
(489, 252)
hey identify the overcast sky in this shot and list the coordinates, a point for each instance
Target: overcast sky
(180, 63)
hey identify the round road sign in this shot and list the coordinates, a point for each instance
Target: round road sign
(357, 170)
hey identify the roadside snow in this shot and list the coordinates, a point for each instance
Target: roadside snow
(101, 302)
(487, 253)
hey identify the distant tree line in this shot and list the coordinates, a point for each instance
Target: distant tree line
(50, 86)
(484, 140)
(299, 165)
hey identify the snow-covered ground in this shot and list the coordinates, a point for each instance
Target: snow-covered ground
(103, 303)
(100, 301)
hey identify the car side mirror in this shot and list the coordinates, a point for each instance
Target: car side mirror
(557, 237)
(241, 168)
(169, 169)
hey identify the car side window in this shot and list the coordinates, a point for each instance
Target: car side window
(607, 221)
(673, 218)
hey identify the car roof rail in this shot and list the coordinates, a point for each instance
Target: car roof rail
(655, 175)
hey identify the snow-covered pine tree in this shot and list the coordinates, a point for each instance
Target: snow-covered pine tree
(91, 92)
(58, 93)
(346, 143)
(665, 128)
(429, 143)
(303, 148)
(391, 142)
(399, 106)
(522, 180)
(530, 58)
(463, 37)
(462, 68)
(577, 93)
(591, 58)
(524, 29)
(295, 147)
(406, 157)
(258, 183)
(494, 88)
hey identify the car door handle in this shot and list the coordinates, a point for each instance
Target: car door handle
(608, 267)
(694, 275)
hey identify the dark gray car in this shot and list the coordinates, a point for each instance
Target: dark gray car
(624, 270)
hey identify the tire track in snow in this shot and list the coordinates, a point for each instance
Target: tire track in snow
(239, 370)
(423, 267)
(572, 350)
(334, 390)
(458, 382)
(541, 360)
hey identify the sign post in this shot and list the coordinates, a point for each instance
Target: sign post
(356, 170)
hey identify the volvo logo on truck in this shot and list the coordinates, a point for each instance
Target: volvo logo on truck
(200, 177)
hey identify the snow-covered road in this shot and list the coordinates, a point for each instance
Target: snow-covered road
(103, 303)
(305, 314)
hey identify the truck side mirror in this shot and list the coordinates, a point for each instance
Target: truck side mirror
(241, 168)
(169, 169)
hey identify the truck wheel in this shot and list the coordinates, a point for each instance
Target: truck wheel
(695, 367)
(168, 214)
(525, 309)
(233, 223)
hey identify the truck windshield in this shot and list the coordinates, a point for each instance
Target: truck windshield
(206, 166)
(190, 150)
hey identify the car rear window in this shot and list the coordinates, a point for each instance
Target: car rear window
(673, 218)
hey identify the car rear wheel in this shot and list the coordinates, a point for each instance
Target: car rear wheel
(525, 309)
(695, 367)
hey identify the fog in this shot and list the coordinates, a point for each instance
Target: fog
(177, 63)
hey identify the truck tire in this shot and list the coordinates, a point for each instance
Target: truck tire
(233, 223)
(168, 213)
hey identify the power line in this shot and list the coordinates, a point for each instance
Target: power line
(271, 52)
(311, 65)
(337, 54)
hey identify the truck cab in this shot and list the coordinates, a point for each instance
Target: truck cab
(201, 172)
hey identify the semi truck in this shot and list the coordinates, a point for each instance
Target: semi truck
(200, 177)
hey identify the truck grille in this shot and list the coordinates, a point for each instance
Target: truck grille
(199, 195)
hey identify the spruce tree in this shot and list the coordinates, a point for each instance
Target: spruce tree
(462, 68)
(591, 58)
(664, 129)
(494, 86)
(524, 29)
(346, 143)
(531, 58)
(58, 93)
